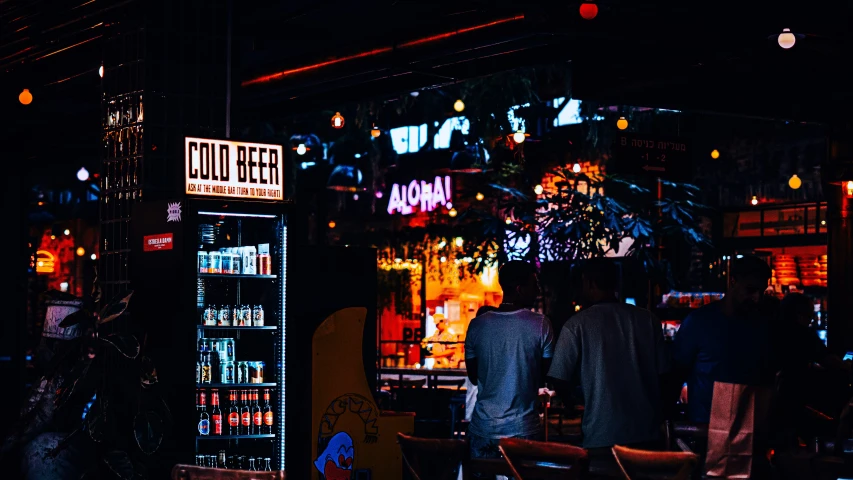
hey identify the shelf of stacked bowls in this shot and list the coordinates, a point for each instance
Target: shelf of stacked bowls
(809, 271)
(785, 270)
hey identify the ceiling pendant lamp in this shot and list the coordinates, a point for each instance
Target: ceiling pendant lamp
(622, 123)
(25, 97)
(588, 10)
(338, 120)
(786, 39)
(794, 182)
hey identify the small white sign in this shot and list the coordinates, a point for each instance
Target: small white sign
(224, 168)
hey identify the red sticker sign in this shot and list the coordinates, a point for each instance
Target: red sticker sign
(161, 241)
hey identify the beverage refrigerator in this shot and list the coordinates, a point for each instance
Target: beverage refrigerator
(210, 285)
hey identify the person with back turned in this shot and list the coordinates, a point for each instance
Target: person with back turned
(507, 352)
(616, 352)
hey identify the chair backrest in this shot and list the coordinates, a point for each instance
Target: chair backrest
(433, 458)
(531, 459)
(637, 464)
(192, 472)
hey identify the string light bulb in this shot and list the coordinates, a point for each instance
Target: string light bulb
(25, 97)
(588, 10)
(794, 182)
(82, 174)
(715, 154)
(81, 251)
(786, 39)
(301, 149)
(459, 105)
(754, 200)
(66, 232)
(375, 132)
(508, 220)
(480, 196)
(332, 224)
(338, 120)
(576, 168)
(101, 71)
(452, 213)
(850, 188)
(538, 189)
(459, 242)
(93, 256)
(622, 123)
(518, 136)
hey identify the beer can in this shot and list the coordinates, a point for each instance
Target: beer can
(245, 316)
(227, 262)
(236, 261)
(258, 316)
(227, 354)
(204, 345)
(248, 262)
(203, 262)
(226, 372)
(242, 372)
(264, 264)
(224, 318)
(214, 262)
(256, 372)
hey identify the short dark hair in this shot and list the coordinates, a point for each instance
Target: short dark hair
(485, 309)
(514, 274)
(750, 266)
(603, 272)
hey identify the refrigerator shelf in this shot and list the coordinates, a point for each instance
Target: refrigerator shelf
(233, 275)
(216, 327)
(232, 437)
(234, 385)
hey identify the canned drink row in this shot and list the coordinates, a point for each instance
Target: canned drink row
(247, 260)
(233, 316)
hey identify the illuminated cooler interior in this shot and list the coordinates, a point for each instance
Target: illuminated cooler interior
(217, 230)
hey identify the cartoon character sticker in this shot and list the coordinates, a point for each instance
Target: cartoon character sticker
(335, 462)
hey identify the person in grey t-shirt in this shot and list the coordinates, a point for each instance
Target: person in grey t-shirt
(507, 353)
(616, 352)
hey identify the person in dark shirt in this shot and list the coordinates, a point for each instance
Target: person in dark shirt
(726, 341)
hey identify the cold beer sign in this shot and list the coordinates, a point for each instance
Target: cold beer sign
(223, 168)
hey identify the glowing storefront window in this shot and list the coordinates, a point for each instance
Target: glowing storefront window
(517, 123)
(442, 138)
(570, 113)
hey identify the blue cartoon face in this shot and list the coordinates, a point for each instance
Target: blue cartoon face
(335, 463)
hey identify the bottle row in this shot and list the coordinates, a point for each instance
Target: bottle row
(244, 417)
(246, 260)
(207, 371)
(233, 316)
(234, 462)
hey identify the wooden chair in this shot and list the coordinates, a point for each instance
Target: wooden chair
(192, 472)
(433, 458)
(528, 459)
(640, 464)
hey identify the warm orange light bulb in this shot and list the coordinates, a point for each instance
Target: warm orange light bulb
(622, 123)
(25, 97)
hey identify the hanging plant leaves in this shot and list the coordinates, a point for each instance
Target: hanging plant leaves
(78, 381)
(120, 464)
(115, 307)
(96, 287)
(148, 431)
(147, 372)
(125, 343)
(80, 316)
(97, 421)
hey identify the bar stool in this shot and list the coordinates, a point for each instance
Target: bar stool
(433, 458)
(192, 472)
(541, 460)
(636, 464)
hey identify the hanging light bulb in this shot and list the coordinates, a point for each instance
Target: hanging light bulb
(518, 136)
(375, 132)
(538, 189)
(786, 39)
(508, 220)
(452, 212)
(332, 224)
(715, 154)
(355, 196)
(480, 196)
(576, 168)
(301, 149)
(459, 105)
(101, 71)
(82, 174)
(459, 242)
(621, 124)
(81, 251)
(588, 10)
(66, 232)
(25, 97)
(850, 188)
(754, 200)
(93, 256)
(794, 182)
(338, 120)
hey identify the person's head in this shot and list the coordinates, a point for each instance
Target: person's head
(440, 322)
(749, 280)
(599, 280)
(797, 308)
(519, 283)
(485, 309)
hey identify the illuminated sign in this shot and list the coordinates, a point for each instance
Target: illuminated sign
(153, 243)
(45, 262)
(223, 168)
(420, 194)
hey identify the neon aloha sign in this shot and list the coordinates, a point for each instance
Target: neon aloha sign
(419, 193)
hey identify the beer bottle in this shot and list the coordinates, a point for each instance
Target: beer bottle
(268, 414)
(245, 416)
(205, 368)
(233, 414)
(257, 416)
(203, 417)
(216, 413)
